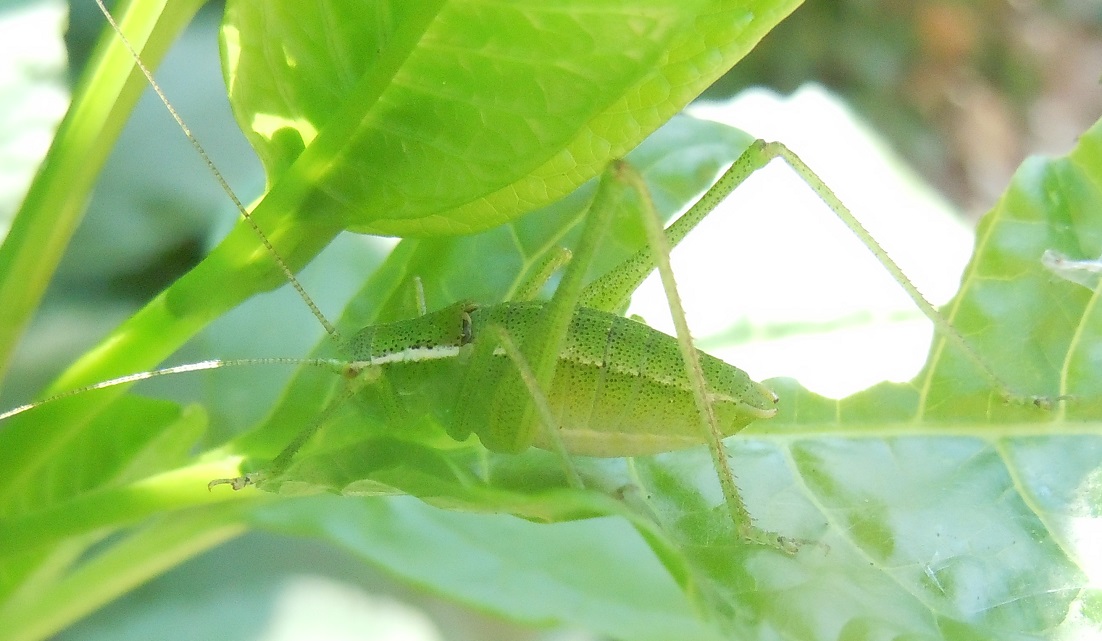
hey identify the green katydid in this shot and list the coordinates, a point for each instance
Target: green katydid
(620, 389)
(608, 294)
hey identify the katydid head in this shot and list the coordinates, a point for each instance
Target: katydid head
(432, 336)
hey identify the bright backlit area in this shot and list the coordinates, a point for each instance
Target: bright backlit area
(776, 284)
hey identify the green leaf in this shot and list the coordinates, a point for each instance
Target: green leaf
(453, 117)
(932, 509)
(1040, 330)
(595, 574)
(136, 438)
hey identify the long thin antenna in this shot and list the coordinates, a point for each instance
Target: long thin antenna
(337, 365)
(329, 328)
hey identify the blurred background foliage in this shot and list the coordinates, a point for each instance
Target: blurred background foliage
(963, 89)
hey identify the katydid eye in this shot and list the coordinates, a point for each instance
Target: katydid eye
(465, 330)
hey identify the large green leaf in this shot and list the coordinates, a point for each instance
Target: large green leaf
(936, 509)
(595, 574)
(446, 117)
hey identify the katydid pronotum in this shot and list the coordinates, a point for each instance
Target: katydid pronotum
(610, 291)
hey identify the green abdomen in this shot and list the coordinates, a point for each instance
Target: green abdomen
(620, 387)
